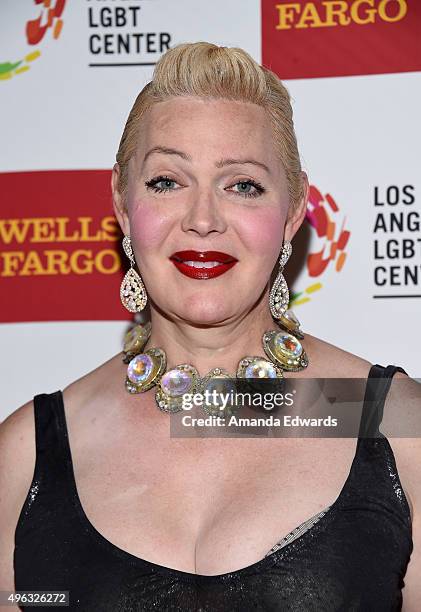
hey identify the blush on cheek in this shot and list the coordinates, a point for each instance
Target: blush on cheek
(263, 231)
(147, 226)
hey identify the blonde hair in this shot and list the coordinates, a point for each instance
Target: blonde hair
(208, 71)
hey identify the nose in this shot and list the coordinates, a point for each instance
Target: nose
(203, 215)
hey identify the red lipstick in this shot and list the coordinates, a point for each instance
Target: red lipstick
(202, 264)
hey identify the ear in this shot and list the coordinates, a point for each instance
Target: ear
(119, 205)
(296, 216)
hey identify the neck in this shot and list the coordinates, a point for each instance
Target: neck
(206, 347)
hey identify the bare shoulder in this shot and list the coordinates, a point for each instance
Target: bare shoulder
(103, 381)
(17, 463)
(93, 403)
(330, 361)
(402, 410)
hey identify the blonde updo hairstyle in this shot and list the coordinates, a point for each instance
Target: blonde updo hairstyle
(208, 71)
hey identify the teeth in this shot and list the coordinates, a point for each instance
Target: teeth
(202, 264)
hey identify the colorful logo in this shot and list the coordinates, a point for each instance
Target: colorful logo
(35, 31)
(331, 239)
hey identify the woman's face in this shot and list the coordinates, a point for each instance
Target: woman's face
(205, 178)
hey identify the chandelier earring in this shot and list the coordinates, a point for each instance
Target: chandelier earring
(132, 290)
(279, 294)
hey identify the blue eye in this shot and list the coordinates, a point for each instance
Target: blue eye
(258, 189)
(153, 184)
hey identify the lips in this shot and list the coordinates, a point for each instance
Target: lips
(202, 265)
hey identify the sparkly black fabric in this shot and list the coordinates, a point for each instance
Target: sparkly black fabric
(353, 559)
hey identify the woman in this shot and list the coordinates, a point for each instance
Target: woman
(209, 188)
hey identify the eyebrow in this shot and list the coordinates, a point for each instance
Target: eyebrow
(219, 164)
(167, 151)
(231, 162)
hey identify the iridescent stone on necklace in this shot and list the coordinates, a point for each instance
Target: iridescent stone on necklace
(260, 368)
(176, 382)
(217, 385)
(173, 385)
(139, 368)
(218, 389)
(285, 350)
(287, 345)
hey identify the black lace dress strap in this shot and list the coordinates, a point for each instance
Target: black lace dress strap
(377, 387)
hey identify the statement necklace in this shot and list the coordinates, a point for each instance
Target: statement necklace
(145, 370)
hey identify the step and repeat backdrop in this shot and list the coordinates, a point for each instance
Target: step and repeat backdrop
(69, 73)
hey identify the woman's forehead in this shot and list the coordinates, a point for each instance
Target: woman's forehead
(187, 107)
(195, 123)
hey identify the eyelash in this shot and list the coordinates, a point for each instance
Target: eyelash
(152, 184)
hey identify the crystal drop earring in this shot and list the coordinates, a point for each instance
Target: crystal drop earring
(279, 294)
(132, 290)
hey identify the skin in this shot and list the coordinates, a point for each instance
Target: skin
(131, 467)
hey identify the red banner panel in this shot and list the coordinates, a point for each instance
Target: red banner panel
(60, 257)
(325, 38)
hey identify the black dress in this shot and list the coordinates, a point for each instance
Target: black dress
(352, 556)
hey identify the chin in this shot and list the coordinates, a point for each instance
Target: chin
(205, 311)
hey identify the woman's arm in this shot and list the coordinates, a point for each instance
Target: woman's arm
(17, 462)
(402, 413)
